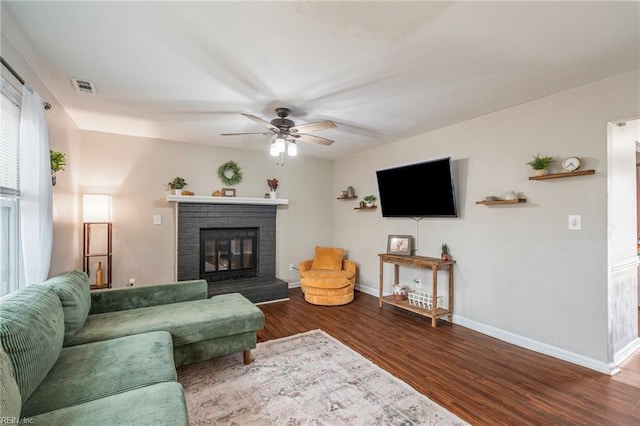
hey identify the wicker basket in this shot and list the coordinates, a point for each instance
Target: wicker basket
(424, 300)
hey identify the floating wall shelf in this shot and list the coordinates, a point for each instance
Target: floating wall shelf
(348, 198)
(366, 208)
(498, 202)
(563, 175)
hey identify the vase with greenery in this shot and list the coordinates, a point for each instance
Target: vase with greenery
(177, 184)
(370, 200)
(445, 252)
(540, 164)
(58, 162)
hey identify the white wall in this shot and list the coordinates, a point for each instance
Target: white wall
(521, 273)
(136, 170)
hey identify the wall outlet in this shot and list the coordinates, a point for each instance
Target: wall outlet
(291, 266)
(132, 282)
(575, 222)
(157, 219)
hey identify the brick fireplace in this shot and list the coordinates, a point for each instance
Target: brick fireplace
(232, 247)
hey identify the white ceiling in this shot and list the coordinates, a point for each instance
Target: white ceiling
(382, 71)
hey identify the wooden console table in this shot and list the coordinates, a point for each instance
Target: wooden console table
(432, 263)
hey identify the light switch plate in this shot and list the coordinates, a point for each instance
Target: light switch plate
(575, 222)
(157, 219)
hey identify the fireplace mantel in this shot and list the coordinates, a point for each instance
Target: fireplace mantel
(204, 199)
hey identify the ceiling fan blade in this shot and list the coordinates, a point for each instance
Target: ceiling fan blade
(261, 121)
(235, 134)
(313, 127)
(312, 138)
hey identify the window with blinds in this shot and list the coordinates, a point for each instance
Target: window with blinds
(10, 112)
(10, 140)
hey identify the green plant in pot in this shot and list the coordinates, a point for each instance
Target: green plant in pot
(177, 184)
(58, 162)
(540, 164)
(445, 252)
(370, 200)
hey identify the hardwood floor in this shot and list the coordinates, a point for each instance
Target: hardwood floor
(481, 379)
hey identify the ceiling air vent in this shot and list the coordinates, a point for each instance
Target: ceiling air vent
(84, 86)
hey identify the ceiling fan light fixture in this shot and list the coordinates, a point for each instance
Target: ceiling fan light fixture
(280, 144)
(292, 149)
(273, 150)
(285, 133)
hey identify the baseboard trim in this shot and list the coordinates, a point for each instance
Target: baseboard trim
(536, 346)
(627, 351)
(368, 290)
(273, 301)
(294, 284)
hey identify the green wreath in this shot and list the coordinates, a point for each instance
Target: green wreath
(229, 173)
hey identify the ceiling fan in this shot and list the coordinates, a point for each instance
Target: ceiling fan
(286, 131)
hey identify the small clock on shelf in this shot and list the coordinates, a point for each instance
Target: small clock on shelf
(571, 164)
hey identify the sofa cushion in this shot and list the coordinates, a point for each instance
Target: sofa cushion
(160, 404)
(74, 291)
(96, 370)
(328, 258)
(31, 332)
(10, 401)
(188, 322)
(325, 283)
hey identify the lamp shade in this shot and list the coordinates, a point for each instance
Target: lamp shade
(96, 208)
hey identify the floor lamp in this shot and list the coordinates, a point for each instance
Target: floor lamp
(97, 239)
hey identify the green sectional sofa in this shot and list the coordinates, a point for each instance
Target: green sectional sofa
(69, 356)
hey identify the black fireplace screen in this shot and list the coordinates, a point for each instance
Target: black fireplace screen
(228, 253)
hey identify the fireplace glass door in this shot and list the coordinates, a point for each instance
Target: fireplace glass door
(228, 253)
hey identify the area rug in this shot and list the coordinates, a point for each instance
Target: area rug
(306, 379)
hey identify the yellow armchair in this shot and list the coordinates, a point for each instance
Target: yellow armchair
(348, 271)
(328, 278)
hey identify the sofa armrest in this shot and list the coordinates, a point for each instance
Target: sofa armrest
(349, 266)
(121, 299)
(305, 265)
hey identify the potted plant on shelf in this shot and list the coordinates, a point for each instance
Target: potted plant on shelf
(369, 200)
(445, 253)
(540, 164)
(58, 161)
(177, 184)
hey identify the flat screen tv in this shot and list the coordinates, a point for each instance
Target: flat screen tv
(418, 190)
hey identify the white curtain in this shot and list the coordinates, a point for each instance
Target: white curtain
(36, 211)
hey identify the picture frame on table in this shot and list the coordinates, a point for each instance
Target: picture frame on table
(228, 192)
(399, 244)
